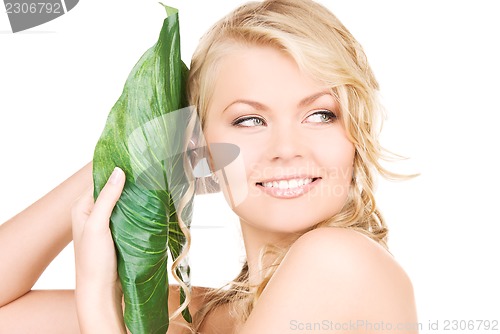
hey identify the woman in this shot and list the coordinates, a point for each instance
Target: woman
(287, 83)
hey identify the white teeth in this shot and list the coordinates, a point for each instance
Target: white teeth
(293, 184)
(287, 184)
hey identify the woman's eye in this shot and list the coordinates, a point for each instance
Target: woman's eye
(249, 122)
(323, 116)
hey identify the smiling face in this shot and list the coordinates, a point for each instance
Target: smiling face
(295, 164)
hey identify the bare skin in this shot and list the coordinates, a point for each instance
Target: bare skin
(349, 277)
(42, 230)
(55, 311)
(29, 241)
(37, 235)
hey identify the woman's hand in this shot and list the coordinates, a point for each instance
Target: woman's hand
(98, 290)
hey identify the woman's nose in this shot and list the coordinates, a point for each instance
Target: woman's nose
(285, 143)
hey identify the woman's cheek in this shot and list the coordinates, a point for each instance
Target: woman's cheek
(233, 181)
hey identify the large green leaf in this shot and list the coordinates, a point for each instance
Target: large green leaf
(145, 135)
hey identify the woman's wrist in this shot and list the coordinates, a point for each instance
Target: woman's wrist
(100, 309)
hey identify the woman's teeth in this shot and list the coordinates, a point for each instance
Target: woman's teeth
(287, 184)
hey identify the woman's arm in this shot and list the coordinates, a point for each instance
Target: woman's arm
(51, 312)
(28, 243)
(31, 240)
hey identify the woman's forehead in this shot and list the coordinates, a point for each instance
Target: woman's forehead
(261, 72)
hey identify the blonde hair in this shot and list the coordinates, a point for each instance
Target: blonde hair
(324, 49)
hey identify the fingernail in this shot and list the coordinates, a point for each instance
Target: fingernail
(115, 176)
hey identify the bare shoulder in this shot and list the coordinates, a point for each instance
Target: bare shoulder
(198, 294)
(178, 324)
(219, 320)
(345, 253)
(334, 276)
(341, 248)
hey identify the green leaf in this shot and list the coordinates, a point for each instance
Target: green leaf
(144, 135)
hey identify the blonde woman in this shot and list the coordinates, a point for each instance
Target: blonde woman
(287, 83)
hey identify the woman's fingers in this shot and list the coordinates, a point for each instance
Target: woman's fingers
(94, 249)
(98, 292)
(107, 199)
(86, 214)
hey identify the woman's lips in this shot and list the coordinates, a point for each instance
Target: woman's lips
(289, 188)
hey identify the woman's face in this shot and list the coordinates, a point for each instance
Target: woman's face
(295, 163)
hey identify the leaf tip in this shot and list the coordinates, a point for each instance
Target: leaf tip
(170, 10)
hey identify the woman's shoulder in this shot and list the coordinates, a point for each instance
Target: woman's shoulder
(345, 255)
(178, 324)
(333, 245)
(333, 275)
(218, 321)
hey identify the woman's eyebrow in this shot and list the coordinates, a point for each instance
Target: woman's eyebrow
(310, 99)
(259, 106)
(256, 105)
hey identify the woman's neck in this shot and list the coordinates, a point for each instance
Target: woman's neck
(255, 242)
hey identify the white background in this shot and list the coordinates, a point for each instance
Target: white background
(438, 66)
